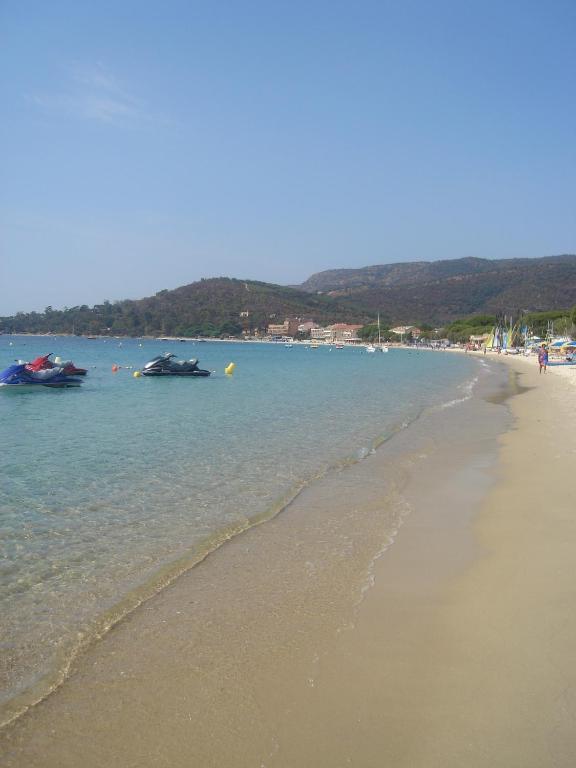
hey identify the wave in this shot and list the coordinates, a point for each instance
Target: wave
(94, 630)
(468, 390)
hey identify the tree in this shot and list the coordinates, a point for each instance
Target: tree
(370, 332)
(230, 328)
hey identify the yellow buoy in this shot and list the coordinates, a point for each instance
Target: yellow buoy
(229, 370)
(136, 374)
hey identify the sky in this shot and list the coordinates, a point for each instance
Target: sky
(146, 144)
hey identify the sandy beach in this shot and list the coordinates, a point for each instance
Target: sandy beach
(491, 675)
(309, 641)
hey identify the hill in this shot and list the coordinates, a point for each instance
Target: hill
(213, 307)
(415, 292)
(437, 292)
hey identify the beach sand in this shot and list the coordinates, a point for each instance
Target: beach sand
(310, 641)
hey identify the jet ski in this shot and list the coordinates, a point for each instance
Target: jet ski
(44, 362)
(167, 365)
(19, 377)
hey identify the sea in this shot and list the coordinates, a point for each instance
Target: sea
(112, 490)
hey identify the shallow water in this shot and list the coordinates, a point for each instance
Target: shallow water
(110, 490)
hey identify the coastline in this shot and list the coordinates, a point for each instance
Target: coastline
(485, 673)
(496, 685)
(401, 669)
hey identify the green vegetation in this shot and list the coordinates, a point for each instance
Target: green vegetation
(441, 292)
(562, 321)
(461, 330)
(369, 333)
(219, 307)
(427, 294)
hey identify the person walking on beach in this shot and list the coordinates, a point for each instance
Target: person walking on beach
(543, 358)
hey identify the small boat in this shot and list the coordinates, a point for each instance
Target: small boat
(19, 377)
(165, 365)
(381, 347)
(370, 348)
(44, 363)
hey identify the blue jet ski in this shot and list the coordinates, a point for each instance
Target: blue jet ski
(20, 377)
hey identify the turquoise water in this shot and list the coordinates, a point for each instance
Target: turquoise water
(110, 490)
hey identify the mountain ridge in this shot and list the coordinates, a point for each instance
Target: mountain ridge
(404, 292)
(441, 291)
(394, 273)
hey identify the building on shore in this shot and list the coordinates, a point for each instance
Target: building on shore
(307, 326)
(479, 340)
(288, 328)
(405, 330)
(337, 333)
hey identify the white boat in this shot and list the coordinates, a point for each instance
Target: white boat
(381, 347)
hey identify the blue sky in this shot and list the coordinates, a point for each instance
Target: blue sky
(147, 144)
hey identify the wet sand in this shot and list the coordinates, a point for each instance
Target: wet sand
(489, 679)
(403, 612)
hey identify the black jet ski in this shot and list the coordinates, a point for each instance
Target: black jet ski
(167, 365)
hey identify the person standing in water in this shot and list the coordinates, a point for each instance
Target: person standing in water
(543, 358)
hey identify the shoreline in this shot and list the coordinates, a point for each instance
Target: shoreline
(496, 687)
(491, 681)
(73, 650)
(351, 692)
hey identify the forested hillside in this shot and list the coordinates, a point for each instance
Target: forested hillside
(214, 307)
(418, 292)
(437, 292)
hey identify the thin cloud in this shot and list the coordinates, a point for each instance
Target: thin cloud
(97, 77)
(96, 94)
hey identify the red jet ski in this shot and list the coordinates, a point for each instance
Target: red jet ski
(43, 363)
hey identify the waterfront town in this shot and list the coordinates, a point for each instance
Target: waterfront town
(344, 333)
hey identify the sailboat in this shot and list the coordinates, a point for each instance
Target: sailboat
(381, 347)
